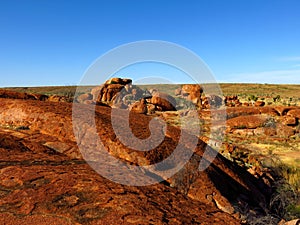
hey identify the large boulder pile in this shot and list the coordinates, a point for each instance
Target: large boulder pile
(163, 101)
(193, 93)
(139, 107)
(112, 91)
(120, 93)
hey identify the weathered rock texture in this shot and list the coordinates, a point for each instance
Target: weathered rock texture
(120, 93)
(163, 101)
(44, 180)
(113, 91)
(277, 121)
(247, 122)
(193, 93)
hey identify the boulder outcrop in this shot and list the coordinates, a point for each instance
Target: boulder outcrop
(163, 101)
(247, 122)
(50, 188)
(120, 93)
(112, 91)
(75, 191)
(139, 107)
(85, 98)
(259, 103)
(193, 93)
(294, 113)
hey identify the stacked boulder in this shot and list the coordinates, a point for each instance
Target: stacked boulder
(113, 91)
(120, 93)
(194, 94)
(162, 101)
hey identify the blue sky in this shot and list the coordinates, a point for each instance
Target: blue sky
(53, 42)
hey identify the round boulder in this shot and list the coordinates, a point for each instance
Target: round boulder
(139, 107)
(164, 101)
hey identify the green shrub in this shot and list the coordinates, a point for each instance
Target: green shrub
(252, 98)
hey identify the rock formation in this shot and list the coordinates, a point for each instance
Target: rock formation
(120, 93)
(193, 93)
(139, 107)
(259, 103)
(112, 91)
(163, 101)
(85, 98)
(49, 167)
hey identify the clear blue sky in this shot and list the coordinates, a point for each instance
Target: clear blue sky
(52, 42)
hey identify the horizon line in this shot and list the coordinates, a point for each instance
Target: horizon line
(223, 82)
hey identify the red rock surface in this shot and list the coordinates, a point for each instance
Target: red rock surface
(259, 103)
(288, 120)
(282, 110)
(284, 131)
(84, 98)
(139, 107)
(39, 189)
(193, 93)
(294, 113)
(268, 110)
(247, 122)
(241, 111)
(164, 101)
(44, 180)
